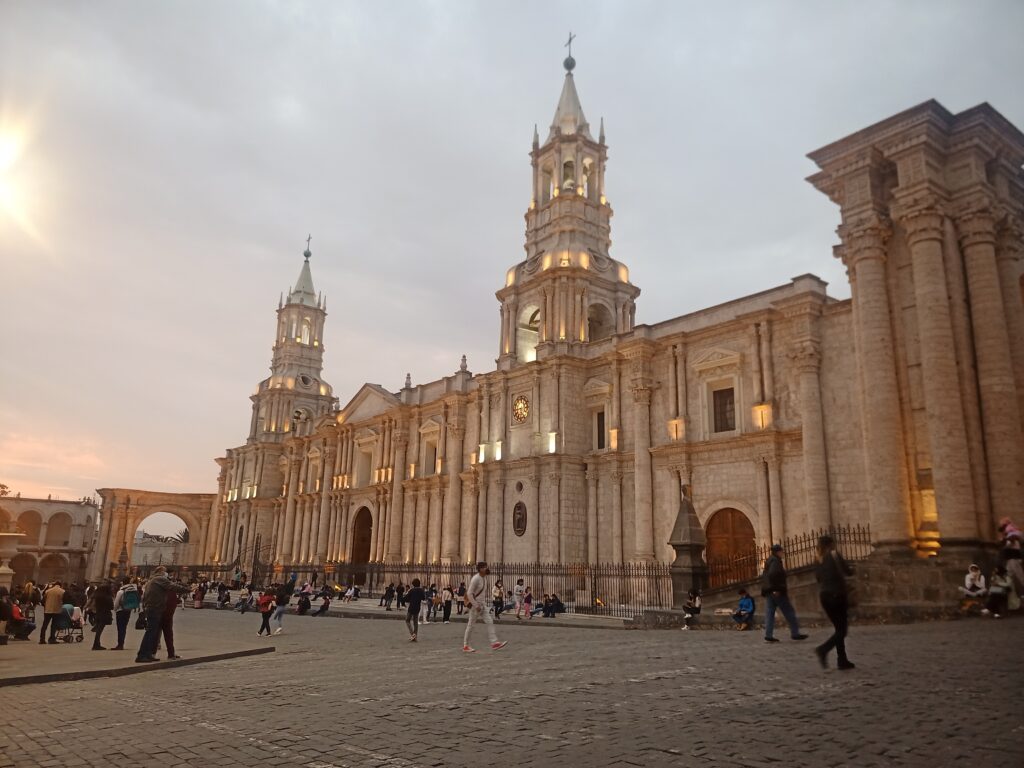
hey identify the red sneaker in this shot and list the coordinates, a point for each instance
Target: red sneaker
(467, 649)
(498, 646)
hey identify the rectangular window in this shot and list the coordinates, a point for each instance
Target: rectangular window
(724, 410)
(600, 436)
(363, 468)
(430, 458)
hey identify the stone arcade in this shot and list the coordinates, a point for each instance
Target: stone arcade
(784, 411)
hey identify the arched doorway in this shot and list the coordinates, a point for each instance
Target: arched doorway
(362, 532)
(53, 568)
(58, 530)
(731, 546)
(30, 523)
(24, 567)
(161, 538)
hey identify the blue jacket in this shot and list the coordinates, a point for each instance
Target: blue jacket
(746, 605)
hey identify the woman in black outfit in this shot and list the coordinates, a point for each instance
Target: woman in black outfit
(832, 575)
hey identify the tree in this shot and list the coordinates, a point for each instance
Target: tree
(181, 536)
(4, 489)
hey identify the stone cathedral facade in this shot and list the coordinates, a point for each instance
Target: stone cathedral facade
(781, 412)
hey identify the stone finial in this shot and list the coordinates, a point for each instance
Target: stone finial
(600, 135)
(463, 367)
(536, 137)
(408, 381)
(280, 301)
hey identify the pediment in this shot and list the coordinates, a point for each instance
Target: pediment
(370, 401)
(430, 425)
(717, 357)
(596, 388)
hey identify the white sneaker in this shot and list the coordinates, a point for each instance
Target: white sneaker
(684, 627)
(279, 630)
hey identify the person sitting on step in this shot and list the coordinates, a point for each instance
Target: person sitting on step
(744, 613)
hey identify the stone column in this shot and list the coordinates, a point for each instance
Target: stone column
(999, 404)
(384, 525)
(434, 519)
(533, 516)
(643, 500)
(775, 498)
(864, 252)
(289, 513)
(343, 515)
(422, 518)
(395, 553)
(453, 499)
(302, 545)
(764, 512)
(616, 516)
(591, 513)
(806, 355)
(1009, 253)
(944, 412)
(322, 517)
(549, 544)
(481, 518)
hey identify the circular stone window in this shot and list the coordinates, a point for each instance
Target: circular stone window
(520, 409)
(519, 487)
(519, 518)
(305, 381)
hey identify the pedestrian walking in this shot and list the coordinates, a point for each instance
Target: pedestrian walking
(497, 599)
(389, 596)
(414, 599)
(154, 602)
(266, 607)
(446, 604)
(528, 603)
(476, 604)
(1010, 555)
(103, 612)
(281, 600)
(126, 600)
(775, 592)
(400, 592)
(832, 574)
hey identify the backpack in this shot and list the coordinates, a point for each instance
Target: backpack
(130, 601)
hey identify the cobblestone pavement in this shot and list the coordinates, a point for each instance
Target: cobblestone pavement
(342, 693)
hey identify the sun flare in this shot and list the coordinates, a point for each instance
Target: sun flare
(15, 184)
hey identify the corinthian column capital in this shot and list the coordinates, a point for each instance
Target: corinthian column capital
(806, 355)
(863, 238)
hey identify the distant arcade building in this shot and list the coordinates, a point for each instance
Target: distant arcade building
(59, 537)
(782, 412)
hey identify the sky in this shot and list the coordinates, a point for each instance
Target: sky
(161, 165)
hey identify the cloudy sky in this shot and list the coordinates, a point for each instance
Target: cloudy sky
(162, 163)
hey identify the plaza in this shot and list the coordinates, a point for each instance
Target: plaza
(341, 693)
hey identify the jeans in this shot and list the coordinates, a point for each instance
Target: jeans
(147, 648)
(412, 621)
(279, 613)
(122, 617)
(447, 611)
(478, 611)
(782, 603)
(836, 609)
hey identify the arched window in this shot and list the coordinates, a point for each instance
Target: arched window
(30, 524)
(58, 530)
(306, 334)
(528, 334)
(600, 324)
(569, 175)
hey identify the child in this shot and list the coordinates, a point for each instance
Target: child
(527, 603)
(691, 608)
(998, 592)
(744, 611)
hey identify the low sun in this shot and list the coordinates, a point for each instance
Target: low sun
(13, 203)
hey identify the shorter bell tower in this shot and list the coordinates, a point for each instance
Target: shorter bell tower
(569, 292)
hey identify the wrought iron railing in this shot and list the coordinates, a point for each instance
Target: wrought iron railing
(620, 590)
(853, 542)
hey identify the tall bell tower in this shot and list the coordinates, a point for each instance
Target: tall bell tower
(569, 292)
(295, 394)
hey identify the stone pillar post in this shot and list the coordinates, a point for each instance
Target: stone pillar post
(303, 547)
(289, 514)
(643, 500)
(764, 512)
(322, 518)
(616, 515)
(481, 518)
(1009, 254)
(944, 412)
(453, 499)
(775, 498)
(864, 253)
(807, 356)
(549, 544)
(395, 552)
(434, 520)
(592, 513)
(999, 404)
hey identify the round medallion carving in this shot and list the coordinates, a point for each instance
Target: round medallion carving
(519, 518)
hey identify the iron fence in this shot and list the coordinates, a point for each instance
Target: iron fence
(853, 542)
(606, 589)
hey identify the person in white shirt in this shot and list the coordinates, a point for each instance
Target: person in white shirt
(476, 601)
(518, 594)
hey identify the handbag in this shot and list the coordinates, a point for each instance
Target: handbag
(140, 623)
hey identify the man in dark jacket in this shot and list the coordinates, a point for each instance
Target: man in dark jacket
(833, 573)
(154, 601)
(774, 589)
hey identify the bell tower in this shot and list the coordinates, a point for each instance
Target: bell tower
(569, 292)
(295, 394)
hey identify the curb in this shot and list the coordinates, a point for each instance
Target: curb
(91, 674)
(398, 616)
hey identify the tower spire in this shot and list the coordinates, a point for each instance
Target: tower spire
(304, 292)
(569, 117)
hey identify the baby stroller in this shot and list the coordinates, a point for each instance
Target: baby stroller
(69, 625)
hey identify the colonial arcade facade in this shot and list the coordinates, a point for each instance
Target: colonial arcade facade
(781, 412)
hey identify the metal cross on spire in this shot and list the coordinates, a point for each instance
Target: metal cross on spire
(569, 44)
(308, 238)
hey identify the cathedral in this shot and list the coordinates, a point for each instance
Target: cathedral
(778, 413)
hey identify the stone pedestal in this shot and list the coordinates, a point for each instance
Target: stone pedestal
(688, 540)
